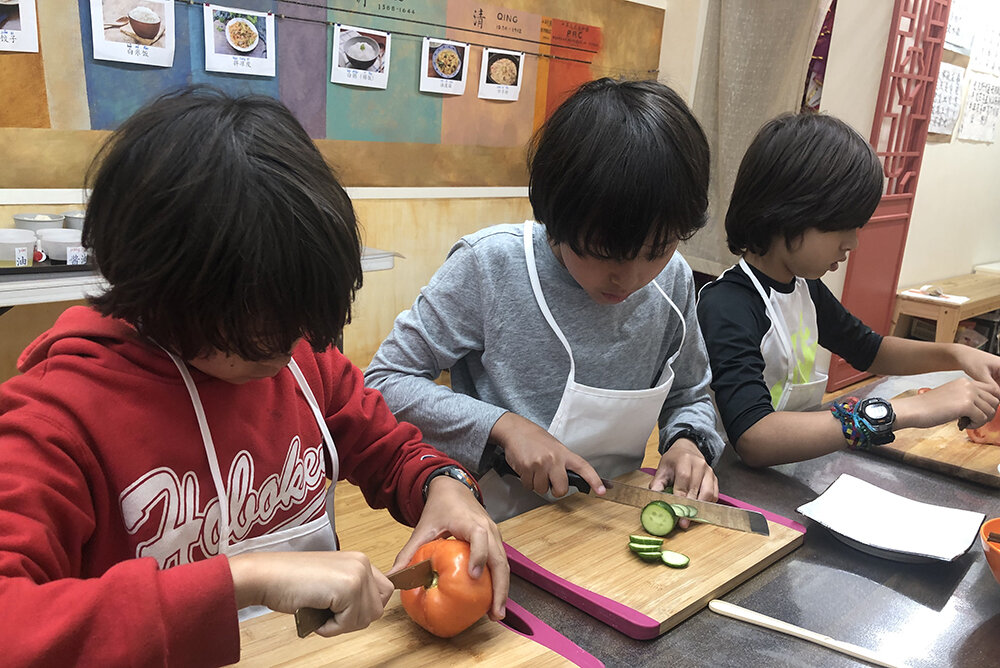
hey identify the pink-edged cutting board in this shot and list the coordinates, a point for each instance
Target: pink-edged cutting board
(577, 549)
(395, 640)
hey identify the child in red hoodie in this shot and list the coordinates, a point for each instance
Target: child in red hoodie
(164, 454)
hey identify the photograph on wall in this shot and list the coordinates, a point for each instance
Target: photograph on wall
(442, 66)
(239, 41)
(500, 74)
(18, 26)
(360, 56)
(947, 99)
(134, 31)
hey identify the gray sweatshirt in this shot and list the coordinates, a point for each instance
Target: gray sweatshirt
(478, 317)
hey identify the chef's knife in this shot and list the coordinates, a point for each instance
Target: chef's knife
(308, 620)
(633, 495)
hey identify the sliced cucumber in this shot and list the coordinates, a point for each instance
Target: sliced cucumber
(639, 539)
(645, 547)
(683, 510)
(655, 555)
(674, 559)
(658, 518)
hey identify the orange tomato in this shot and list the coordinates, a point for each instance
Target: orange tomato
(454, 601)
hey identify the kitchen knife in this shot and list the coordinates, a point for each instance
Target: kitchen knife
(308, 620)
(633, 495)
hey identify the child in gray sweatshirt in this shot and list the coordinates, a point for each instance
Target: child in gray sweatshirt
(571, 337)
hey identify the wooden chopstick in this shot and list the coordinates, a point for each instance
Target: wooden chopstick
(736, 612)
(994, 537)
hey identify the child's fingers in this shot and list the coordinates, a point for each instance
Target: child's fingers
(582, 467)
(709, 489)
(663, 477)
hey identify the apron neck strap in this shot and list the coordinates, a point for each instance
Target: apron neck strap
(536, 287)
(209, 444)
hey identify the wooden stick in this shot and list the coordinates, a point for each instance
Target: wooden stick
(736, 612)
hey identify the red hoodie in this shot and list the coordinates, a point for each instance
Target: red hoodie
(102, 462)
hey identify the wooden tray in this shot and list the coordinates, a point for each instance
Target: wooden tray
(945, 449)
(577, 549)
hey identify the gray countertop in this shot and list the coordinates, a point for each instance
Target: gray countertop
(938, 614)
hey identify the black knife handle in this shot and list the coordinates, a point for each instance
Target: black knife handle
(502, 468)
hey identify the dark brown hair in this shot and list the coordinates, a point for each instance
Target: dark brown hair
(802, 171)
(219, 225)
(617, 165)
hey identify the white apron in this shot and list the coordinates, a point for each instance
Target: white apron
(315, 535)
(789, 347)
(608, 428)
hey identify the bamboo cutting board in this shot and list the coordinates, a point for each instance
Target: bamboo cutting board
(945, 449)
(577, 549)
(395, 640)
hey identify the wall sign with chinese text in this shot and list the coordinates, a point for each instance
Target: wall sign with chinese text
(239, 41)
(360, 56)
(443, 66)
(18, 26)
(500, 74)
(947, 99)
(982, 108)
(134, 31)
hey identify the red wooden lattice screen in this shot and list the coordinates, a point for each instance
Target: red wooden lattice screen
(899, 133)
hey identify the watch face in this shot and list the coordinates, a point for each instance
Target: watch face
(876, 411)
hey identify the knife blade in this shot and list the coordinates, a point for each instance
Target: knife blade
(420, 574)
(632, 495)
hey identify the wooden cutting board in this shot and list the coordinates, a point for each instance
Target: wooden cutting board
(394, 640)
(577, 549)
(945, 449)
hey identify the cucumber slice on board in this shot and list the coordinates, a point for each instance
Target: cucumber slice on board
(639, 539)
(682, 510)
(655, 556)
(658, 518)
(645, 547)
(674, 559)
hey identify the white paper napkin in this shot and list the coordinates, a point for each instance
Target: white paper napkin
(872, 516)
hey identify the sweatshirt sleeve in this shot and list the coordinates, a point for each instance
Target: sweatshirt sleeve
(386, 458)
(445, 323)
(132, 614)
(689, 405)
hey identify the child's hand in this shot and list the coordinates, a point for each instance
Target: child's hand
(974, 399)
(539, 459)
(684, 466)
(980, 365)
(344, 582)
(452, 510)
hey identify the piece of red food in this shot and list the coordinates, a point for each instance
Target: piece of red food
(454, 601)
(988, 434)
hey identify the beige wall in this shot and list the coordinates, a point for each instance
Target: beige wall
(956, 216)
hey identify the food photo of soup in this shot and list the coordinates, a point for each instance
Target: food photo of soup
(362, 51)
(503, 71)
